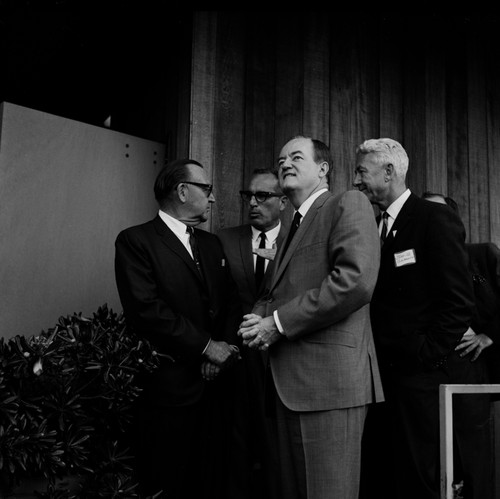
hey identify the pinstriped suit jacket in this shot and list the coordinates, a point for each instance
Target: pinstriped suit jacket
(321, 289)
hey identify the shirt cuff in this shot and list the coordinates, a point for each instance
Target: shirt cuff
(205, 349)
(278, 323)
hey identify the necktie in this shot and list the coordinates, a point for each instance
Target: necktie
(194, 249)
(383, 234)
(260, 261)
(293, 230)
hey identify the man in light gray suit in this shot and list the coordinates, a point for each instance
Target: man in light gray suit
(315, 322)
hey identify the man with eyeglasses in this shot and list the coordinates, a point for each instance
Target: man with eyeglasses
(177, 292)
(250, 249)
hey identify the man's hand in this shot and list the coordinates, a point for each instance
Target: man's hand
(222, 354)
(257, 332)
(472, 342)
(209, 370)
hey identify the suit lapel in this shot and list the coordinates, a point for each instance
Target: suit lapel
(172, 241)
(245, 242)
(404, 217)
(297, 238)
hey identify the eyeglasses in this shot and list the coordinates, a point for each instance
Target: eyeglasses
(207, 188)
(260, 196)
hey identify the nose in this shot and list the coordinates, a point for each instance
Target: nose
(253, 201)
(211, 198)
(285, 164)
(356, 182)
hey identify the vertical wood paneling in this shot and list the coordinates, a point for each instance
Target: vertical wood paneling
(289, 79)
(354, 98)
(229, 121)
(456, 123)
(414, 107)
(203, 85)
(436, 178)
(289, 85)
(391, 82)
(493, 126)
(333, 76)
(316, 119)
(260, 85)
(477, 140)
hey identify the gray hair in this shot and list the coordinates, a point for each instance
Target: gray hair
(386, 151)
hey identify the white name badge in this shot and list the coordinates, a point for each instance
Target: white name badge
(407, 257)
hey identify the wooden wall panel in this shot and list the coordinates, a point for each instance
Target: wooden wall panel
(477, 140)
(258, 80)
(354, 101)
(436, 177)
(260, 83)
(456, 123)
(203, 85)
(316, 119)
(229, 121)
(493, 127)
(414, 108)
(289, 80)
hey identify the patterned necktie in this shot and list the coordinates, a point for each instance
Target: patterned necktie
(194, 249)
(260, 262)
(383, 234)
(293, 230)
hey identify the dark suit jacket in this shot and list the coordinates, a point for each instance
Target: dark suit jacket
(484, 264)
(421, 309)
(165, 300)
(237, 242)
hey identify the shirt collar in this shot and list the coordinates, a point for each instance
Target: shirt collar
(271, 235)
(304, 207)
(176, 226)
(396, 206)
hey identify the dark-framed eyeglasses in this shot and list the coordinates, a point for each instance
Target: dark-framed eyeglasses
(207, 188)
(260, 196)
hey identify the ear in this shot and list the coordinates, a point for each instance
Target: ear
(388, 172)
(182, 192)
(283, 202)
(323, 169)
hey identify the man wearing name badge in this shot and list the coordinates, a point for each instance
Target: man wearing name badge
(250, 250)
(422, 306)
(314, 321)
(177, 292)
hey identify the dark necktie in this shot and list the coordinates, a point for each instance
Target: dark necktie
(260, 262)
(383, 234)
(194, 249)
(293, 230)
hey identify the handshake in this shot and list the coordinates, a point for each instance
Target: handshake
(219, 355)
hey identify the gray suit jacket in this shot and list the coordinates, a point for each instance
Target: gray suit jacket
(321, 289)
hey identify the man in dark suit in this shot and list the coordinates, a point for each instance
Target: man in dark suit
(177, 292)
(314, 319)
(471, 413)
(422, 306)
(249, 248)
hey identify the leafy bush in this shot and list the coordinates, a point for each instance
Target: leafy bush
(66, 400)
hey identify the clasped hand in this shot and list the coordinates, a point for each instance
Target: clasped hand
(258, 332)
(219, 356)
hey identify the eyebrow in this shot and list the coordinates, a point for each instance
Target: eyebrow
(291, 154)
